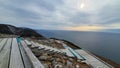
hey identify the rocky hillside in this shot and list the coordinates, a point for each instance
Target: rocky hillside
(24, 32)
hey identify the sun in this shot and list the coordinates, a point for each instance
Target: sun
(82, 5)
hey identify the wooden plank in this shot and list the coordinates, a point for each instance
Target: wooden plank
(28, 42)
(1, 40)
(25, 58)
(15, 60)
(2, 43)
(35, 62)
(34, 44)
(4, 54)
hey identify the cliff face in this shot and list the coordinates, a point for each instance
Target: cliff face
(24, 32)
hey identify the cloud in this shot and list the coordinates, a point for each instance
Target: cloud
(61, 14)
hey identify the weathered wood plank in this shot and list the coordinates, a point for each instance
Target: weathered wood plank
(34, 44)
(1, 40)
(35, 62)
(28, 42)
(2, 43)
(4, 54)
(25, 58)
(15, 60)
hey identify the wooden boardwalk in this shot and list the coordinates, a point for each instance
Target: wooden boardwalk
(93, 60)
(14, 55)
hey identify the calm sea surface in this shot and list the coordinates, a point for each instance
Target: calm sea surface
(103, 44)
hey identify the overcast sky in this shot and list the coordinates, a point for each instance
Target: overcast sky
(61, 14)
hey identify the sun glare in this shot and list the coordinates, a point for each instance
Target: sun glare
(82, 5)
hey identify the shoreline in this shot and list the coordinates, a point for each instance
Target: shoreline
(100, 57)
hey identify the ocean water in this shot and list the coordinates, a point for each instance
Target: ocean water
(101, 43)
